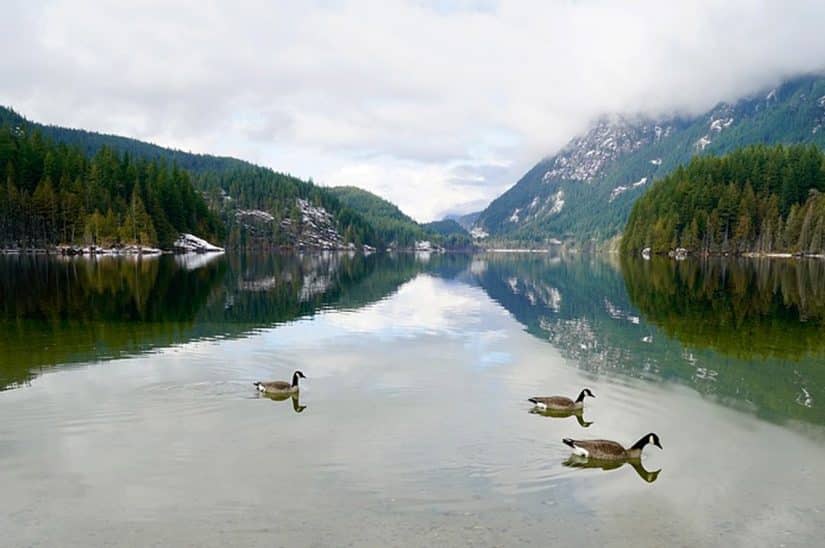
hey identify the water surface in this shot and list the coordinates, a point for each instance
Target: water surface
(130, 418)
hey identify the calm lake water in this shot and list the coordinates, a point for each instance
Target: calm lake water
(129, 417)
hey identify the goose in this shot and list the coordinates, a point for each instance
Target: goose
(280, 387)
(611, 450)
(560, 403)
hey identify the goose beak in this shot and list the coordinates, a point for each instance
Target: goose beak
(659, 445)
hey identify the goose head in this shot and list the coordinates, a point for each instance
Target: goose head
(583, 393)
(649, 438)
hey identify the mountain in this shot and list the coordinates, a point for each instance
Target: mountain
(390, 223)
(756, 199)
(466, 221)
(393, 226)
(90, 142)
(586, 191)
(257, 205)
(447, 227)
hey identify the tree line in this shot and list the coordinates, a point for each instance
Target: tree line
(763, 199)
(53, 193)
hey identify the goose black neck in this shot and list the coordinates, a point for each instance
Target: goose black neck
(295, 379)
(581, 397)
(642, 442)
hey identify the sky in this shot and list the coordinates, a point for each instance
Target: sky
(437, 106)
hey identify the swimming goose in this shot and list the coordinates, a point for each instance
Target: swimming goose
(280, 387)
(611, 450)
(560, 403)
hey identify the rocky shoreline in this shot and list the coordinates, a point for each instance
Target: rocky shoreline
(186, 243)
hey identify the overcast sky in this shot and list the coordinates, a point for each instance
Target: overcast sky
(438, 106)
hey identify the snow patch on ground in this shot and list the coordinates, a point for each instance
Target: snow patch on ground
(702, 143)
(190, 242)
(656, 161)
(622, 188)
(479, 233)
(720, 123)
(514, 217)
(256, 214)
(558, 202)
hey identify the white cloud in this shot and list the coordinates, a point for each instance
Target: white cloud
(400, 92)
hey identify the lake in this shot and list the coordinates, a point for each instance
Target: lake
(129, 415)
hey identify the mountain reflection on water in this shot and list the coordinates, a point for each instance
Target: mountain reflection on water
(747, 333)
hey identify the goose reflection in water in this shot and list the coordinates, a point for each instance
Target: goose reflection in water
(562, 414)
(296, 405)
(576, 461)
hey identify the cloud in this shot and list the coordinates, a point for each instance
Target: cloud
(399, 92)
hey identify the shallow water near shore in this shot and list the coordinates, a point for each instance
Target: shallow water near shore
(129, 415)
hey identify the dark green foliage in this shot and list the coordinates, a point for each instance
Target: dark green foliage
(758, 199)
(90, 143)
(740, 307)
(53, 193)
(453, 235)
(389, 222)
(393, 226)
(446, 227)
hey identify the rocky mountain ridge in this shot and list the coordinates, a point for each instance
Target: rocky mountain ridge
(585, 191)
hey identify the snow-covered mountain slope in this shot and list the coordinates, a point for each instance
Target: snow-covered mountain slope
(585, 192)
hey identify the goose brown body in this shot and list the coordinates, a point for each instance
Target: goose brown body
(280, 387)
(276, 387)
(561, 403)
(611, 450)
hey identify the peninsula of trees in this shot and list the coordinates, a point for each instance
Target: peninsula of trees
(757, 199)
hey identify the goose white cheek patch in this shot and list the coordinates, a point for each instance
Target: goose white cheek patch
(580, 451)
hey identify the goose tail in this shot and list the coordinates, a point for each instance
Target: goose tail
(533, 400)
(568, 441)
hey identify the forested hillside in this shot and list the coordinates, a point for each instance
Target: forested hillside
(758, 199)
(53, 193)
(255, 204)
(390, 223)
(393, 226)
(585, 192)
(90, 142)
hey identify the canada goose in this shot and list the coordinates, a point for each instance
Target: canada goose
(560, 403)
(280, 387)
(610, 450)
(563, 414)
(576, 461)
